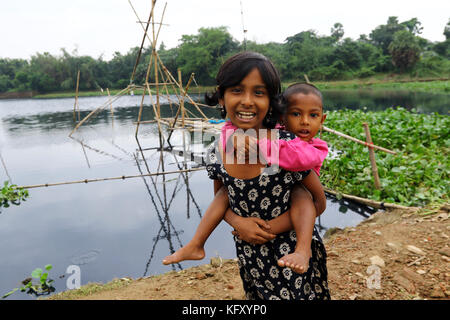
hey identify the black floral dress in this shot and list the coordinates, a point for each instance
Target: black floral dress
(267, 196)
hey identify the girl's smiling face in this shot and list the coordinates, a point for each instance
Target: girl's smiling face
(247, 103)
(304, 115)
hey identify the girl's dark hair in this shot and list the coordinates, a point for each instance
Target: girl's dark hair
(299, 87)
(237, 68)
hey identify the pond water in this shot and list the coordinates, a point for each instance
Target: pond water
(110, 229)
(377, 100)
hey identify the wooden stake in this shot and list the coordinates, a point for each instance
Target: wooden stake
(306, 78)
(111, 108)
(376, 178)
(369, 202)
(75, 106)
(182, 100)
(117, 96)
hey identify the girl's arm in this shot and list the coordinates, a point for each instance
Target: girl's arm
(217, 185)
(251, 229)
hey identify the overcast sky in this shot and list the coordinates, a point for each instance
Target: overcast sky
(101, 27)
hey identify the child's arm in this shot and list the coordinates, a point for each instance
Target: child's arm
(293, 155)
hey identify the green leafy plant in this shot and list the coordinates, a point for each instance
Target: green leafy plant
(10, 194)
(42, 287)
(416, 176)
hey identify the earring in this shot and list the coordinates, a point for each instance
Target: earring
(320, 132)
(223, 111)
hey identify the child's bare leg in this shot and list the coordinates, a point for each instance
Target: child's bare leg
(194, 250)
(303, 216)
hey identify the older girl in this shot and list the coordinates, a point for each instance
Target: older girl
(248, 86)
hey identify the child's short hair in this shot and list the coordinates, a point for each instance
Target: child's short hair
(299, 87)
(237, 68)
(302, 87)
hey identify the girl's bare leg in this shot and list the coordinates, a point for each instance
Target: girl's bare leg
(303, 216)
(194, 249)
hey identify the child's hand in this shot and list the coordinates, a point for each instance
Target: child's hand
(245, 147)
(253, 230)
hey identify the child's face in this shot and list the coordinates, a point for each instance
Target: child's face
(304, 116)
(248, 102)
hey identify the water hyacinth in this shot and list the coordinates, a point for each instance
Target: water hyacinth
(417, 175)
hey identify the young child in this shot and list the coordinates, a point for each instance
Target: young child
(304, 117)
(248, 86)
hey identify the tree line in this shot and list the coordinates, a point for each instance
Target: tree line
(394, 47)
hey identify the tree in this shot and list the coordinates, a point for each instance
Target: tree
(383, 35)
(5, 83)
(348, 53)
(413, 25)
(337, 31)
(443, 48)
(405, 50)
(447, 30)
(204, 52)
(306, 51)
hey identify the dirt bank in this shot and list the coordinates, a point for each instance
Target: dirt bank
(393, 255)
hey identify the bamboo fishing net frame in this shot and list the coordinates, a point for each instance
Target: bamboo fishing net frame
(159, 71)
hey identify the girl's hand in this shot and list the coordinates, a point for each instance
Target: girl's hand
(252, 230)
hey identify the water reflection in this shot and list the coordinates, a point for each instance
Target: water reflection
(167, 230)
(378, 100)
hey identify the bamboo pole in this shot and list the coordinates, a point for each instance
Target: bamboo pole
(142, 43)
(111, 108)
(181, 88)
(108, 179)
(306, 78)
(343, 135)
(373, 163)
(181, 107)
(143, 94)
(369, 202)
(117, 96)
(158, 107)
(76, 99)
(183, 113)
